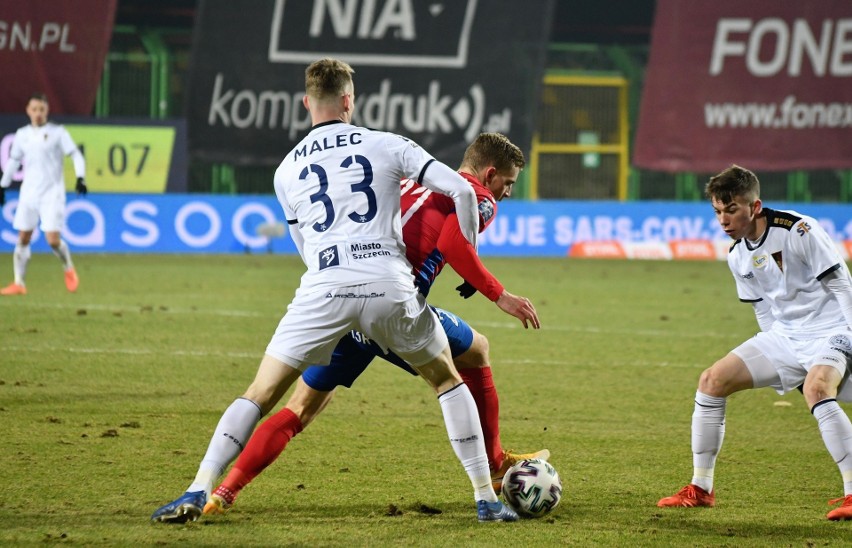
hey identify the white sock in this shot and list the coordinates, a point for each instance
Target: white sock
(462, 420)
(708, 431)
(231, 435)
(20, 258)
(836, 430)
(64, 255)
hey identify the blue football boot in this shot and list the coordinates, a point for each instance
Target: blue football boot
(494, 511)
(186, 508)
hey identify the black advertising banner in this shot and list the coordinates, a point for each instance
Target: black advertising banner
(438, 72)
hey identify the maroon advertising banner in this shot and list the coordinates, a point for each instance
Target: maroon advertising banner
(56, 47)
(762, 83)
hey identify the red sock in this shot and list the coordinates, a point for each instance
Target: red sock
(264, 446)
(481, 385)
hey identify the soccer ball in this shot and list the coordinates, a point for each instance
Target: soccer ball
(532, 488)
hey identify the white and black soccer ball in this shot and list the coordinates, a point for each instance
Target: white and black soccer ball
(532, 488)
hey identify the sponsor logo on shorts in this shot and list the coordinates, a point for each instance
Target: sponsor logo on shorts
(841, 344)
(329, 257)
(351, 295)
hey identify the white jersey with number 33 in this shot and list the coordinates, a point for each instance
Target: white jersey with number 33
(340, 184)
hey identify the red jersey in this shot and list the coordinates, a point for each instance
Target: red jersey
(432, 236)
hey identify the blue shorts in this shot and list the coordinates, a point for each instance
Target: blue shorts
(354, 353)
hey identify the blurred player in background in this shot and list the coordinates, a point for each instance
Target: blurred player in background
(43, 146)
(789, 269)
(339, 189)
(430, 229)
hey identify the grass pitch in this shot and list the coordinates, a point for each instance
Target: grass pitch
(108, 398)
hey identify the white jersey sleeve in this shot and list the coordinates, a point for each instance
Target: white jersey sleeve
(440, 178)
(69, 148)
(15, 157)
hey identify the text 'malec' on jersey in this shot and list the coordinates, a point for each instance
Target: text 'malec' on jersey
(784, 268)
(341, 185)
(424, 214)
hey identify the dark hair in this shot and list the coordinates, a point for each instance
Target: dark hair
(733, 182)
(38, 96)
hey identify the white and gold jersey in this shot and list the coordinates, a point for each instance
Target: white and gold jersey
(43, 150)
(784, 269)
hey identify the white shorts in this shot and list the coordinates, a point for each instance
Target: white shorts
(50, 208)
(392, 314)
(783, 363)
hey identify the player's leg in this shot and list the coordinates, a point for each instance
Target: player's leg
(306, 334)
(726, 376)
(471, 358)
(820, 391)
(314, 390)
(416, 336)
(52, 215)
(232, 432)
(25, 221)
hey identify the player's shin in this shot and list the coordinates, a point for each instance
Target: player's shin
(481, 384)
(231, 435)
(263, 448)
(465, 433)
(708, 431)
(836, 430)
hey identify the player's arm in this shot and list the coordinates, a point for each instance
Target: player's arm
(298, 239)
(69, 148)
(438, 177)
(838, 282)
(764, 315)
(460, 255)
(15, 157)
(12, 167)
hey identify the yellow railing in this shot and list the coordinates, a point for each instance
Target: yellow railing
(564, 117)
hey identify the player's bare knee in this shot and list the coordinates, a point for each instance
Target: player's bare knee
(476, 356)
(821, 383)
(712, 383)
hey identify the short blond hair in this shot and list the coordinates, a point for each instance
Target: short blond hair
(493, 149)
(328, 78)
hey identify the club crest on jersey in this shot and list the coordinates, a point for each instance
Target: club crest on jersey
(803, 228)
(486, 210)
(777, 258)
(760, 261)
(329, 257)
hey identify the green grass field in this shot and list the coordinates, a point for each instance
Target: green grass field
(108, 398)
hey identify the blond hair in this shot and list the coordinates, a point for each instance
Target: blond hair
(328, 78)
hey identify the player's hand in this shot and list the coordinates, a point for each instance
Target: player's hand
(81, 187)
(519, 307)
(466, 290)
(2, 196)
